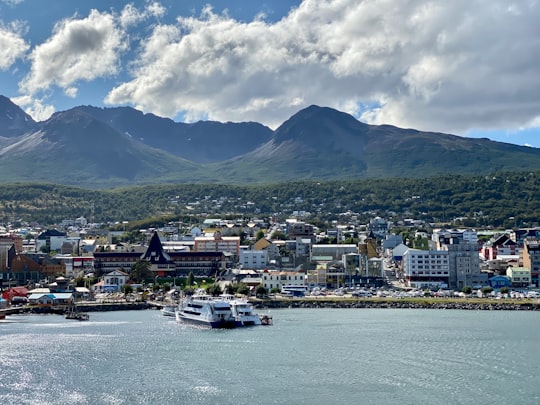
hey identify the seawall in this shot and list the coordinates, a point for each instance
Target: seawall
(490, 305)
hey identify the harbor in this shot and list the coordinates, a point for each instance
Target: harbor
(343, 356)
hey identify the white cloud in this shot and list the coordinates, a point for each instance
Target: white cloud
(442, 66)
(34, 107)
(131, 15)
(12, 45)
(79, 49)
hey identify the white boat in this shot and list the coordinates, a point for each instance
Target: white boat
(243, 313)
(203, 309)
(169, 310)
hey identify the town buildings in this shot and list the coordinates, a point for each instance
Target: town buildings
(531, 259)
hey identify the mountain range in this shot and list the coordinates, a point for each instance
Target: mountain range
(95, 147)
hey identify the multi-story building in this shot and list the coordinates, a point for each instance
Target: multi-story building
(426, 268)
(198, 263)
(502, 245)
(464, 265)
(300, 230)
(218, 243)
(276, 279)
(463, 255)
(443, 237)
(531, 259)
(253, 259)
(53, 240)
(520, 235)
(520, 277)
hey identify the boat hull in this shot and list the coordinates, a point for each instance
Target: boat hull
(213, 324)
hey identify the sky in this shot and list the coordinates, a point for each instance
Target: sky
(465, 67)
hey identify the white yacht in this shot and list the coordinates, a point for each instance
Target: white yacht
(203, 309)
(242, 311)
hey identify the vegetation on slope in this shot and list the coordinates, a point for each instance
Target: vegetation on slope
(502, 200)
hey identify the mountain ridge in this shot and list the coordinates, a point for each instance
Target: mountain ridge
(121, 146)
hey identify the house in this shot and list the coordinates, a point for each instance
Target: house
(115, 280)
(498, 246)
(520, 277)
(41, 299)
(12, 292)
(50, 299)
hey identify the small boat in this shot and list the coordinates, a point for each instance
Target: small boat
(266, 320)
(78, 316)
(205, 310)
(169, 310)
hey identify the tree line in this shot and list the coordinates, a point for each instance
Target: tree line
(504, 199)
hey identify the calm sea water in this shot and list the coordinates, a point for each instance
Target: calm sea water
(309, 356)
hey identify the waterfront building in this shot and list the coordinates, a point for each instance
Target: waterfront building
(276, 279)
(426, 268)
(160, 261)
(464, 265)
(464, 258)
(531, 259)
(199, 263)
(520, 277)
(112, 282)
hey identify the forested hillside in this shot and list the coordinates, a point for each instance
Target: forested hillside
(501, 199)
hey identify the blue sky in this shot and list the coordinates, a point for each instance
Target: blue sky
(467, 67)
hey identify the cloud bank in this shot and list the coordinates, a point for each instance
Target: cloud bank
(442, 66)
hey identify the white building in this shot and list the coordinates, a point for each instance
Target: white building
(253, 259)
(426, 268)
(276, 279)
(112, 282)
(445, 237)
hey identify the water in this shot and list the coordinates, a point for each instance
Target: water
(309, 356)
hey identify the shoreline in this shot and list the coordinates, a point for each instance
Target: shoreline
(310, 303)
(474, 305)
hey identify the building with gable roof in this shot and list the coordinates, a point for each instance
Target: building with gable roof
(160, 261)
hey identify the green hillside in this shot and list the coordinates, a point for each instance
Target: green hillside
(507, 199)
